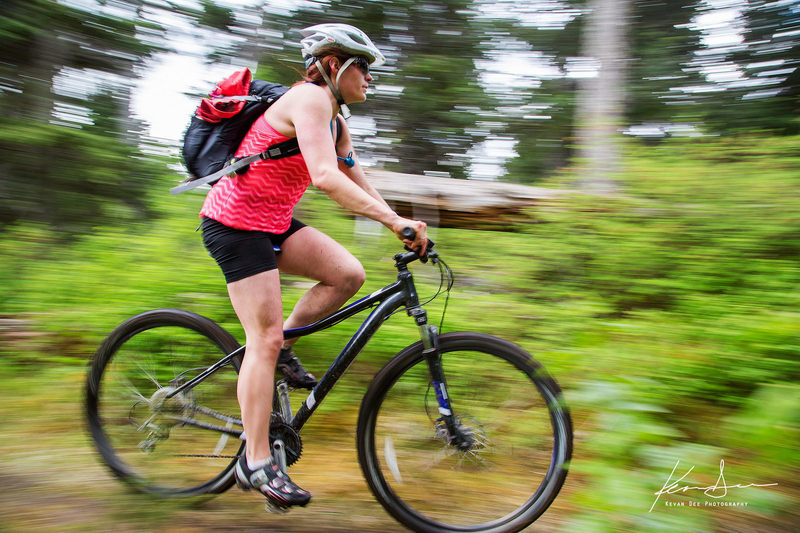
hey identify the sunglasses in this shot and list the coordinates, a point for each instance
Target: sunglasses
(362, 64)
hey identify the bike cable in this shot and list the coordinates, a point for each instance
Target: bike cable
(450, 281)
(445, 272)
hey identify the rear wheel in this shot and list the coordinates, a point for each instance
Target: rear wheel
(509, 459)
(168, 446)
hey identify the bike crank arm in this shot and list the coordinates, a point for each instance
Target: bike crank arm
(279, 453)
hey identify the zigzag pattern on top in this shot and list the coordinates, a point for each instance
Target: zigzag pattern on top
(262, 199)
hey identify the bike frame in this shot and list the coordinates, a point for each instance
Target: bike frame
(388, 299)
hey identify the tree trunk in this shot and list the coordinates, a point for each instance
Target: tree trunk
(36, 100)
(601, 98)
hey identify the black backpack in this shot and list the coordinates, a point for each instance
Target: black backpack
(221, 122)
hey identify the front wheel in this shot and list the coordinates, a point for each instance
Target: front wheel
(510, 413)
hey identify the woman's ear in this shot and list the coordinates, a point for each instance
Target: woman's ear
(334, 64)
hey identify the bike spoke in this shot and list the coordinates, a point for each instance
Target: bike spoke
(149, 376)
(135, 394)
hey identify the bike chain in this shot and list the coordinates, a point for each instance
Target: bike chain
(278, 429)
(216, 414)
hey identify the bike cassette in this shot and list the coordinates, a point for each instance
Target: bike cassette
(293, 444)
(158, 414)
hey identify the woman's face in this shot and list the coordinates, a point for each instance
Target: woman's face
(354, 81)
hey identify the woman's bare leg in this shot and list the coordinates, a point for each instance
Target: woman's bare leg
(257, 302)
(312, 254)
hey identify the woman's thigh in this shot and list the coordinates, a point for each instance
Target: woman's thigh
(312, 254)
(257, 302)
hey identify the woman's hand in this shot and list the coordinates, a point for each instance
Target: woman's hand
(420, 242)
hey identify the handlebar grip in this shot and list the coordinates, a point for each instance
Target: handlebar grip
(409, 233)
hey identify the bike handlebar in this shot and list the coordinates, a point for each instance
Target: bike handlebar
(410, 234)
(413, 255)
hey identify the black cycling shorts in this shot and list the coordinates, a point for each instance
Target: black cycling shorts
(242, 253)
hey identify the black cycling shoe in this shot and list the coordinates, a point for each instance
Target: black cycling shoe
(272, 483)
(292, 369)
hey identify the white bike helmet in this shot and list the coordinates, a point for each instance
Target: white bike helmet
(341, 37)
(349, 39)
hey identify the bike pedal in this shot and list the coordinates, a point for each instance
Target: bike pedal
(275, 509)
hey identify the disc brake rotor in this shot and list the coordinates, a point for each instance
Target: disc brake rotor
(471, 443)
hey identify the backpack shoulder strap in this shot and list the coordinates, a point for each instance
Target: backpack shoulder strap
(338, 135)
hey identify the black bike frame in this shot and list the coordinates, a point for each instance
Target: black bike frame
(388, 300)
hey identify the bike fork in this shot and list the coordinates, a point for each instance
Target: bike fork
(433, 358)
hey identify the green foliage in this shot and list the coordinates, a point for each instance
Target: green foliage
(772, 57)
(216, 16)
(42, 37)
(70, 155)
(709, 234)
(691, 336)
(661, 43)
(70, 178)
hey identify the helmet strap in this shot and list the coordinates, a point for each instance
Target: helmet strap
(334, 88)
(344, 66)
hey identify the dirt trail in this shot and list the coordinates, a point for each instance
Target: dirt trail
(53, 481)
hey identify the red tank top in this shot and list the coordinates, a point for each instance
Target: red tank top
(261, 199)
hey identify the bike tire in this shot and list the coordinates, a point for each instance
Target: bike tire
(522, 445)
(143, 445)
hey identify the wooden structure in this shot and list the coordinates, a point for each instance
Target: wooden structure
(456, 203)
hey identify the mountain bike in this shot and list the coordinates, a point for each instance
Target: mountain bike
(457, 432)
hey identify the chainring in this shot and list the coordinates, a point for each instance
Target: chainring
(278, 429)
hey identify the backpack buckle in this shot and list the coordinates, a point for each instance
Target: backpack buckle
(241, 170)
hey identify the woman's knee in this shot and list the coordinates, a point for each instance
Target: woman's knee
(264, 346)
(353, 277)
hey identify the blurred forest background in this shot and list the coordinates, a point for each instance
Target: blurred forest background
(661, 292)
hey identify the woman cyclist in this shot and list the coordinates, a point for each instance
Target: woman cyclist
(244, 216)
